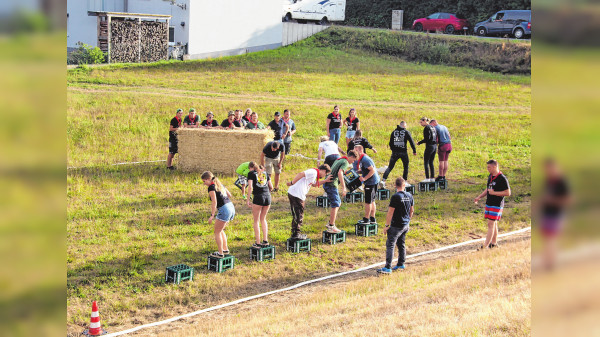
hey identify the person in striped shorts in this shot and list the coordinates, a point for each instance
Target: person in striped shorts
(497, 189)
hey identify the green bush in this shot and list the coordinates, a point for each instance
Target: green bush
(86, 54)
(496, 56)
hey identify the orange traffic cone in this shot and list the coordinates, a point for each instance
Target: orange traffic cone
(95, 327)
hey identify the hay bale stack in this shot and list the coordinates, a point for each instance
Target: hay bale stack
(219, 151)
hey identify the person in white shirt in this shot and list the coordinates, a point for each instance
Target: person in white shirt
(298, 188)
(330, 149)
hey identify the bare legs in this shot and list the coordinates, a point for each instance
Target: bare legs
(443, 168)
(333, 214)
(220, 236)
(370, 210)
(170, 159)
(492, 232)
(259, 213)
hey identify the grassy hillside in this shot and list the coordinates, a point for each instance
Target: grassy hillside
(127, 223)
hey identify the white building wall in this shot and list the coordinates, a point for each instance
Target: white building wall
(231, 27)
(80, 26)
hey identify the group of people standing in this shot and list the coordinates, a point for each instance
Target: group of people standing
(332, 163)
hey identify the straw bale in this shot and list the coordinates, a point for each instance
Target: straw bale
(219, 151)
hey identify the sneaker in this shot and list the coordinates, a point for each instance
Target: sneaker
(482, 247)
(364, 221)
(372, 220)
(408, 185)
(299, 236)
(382, 185)
(265, 243)
(217, 254)
(333, 229)
(494, 245)
(325, 194)
(398, 267)
(225, 252)
(438, 178)
(171, 168)
(384, 270)
(256, 245)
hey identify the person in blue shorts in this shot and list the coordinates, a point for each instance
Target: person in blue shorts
(222, 208)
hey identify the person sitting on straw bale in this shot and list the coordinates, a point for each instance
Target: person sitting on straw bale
(221, 202)
(173, 149)
(254, 124)
(259, 184)
(247, 115)
(230, 123)
(209, 122)
(191, 120)
(239, 118)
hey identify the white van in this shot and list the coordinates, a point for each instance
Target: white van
(320, 11)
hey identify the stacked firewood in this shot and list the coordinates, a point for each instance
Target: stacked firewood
(155, 41)
(124, 41)
(133, 41)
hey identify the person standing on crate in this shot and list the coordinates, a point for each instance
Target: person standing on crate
(366, 167)
(497, 189)
(191, 120)
(254, 124)
(230, 123)
(279, 128)
(259, 184)
(352, 125)
(430, 141)
(360, 140)
(444, 148)
(287, 137)
(330, 149)
(331, 188)
(398, 140)
(222, 208)
(242, 180)
(175, 124)
(400, 211)
(334, 121)
(209, 122)
(271, 158)
(298, 188)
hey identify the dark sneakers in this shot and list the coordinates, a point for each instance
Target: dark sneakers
(372, 220)
(493, 245)
(171, 168)
(364, 221)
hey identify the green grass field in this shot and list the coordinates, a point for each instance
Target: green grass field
(126, 223)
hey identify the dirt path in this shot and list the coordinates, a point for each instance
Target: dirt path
(293, 295)
(275, 99)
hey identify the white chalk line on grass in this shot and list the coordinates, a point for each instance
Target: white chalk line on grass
(303, 284)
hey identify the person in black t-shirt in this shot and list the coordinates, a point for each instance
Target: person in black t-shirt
(247, 115)
(271, 158)
(497, 189)
(191, 120)
(239, 118)
(173, 149)
(259, 185)
(230, 123)
(397, 221)
(555, 199)
(334, 121)
(209, 122)
(220, 201)
(278, 128)
(430, 141)
(360, 140)
(352, 124)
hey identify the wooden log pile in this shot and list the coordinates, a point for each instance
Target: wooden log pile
(138, 41)
(155, 41)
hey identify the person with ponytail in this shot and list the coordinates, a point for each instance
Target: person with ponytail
(221, 208)
(352, 124)
(259, 185)
(299, 187)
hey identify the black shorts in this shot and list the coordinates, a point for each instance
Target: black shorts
(173, 146)
(370, 193)
(262, 200)
(287, 146)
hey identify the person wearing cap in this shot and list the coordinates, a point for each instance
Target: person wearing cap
(287, 137)
(230, 123)
(191, 120)
(209, 122)
(254, 124)
(279, 128)
(176, 123)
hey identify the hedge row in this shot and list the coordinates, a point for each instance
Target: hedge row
(378, 13)
(496, 56)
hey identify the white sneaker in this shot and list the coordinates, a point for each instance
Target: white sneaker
(408, 185)
(325, 194)
(333, 229)
(382, 185)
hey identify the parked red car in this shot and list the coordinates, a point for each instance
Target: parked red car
(444, 22)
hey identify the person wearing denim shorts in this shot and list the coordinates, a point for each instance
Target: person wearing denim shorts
(220, 202)
(352, 124)
(338, 168)
(444, 148)
(334, 121)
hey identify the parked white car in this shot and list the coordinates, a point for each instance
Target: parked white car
(320, 11)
